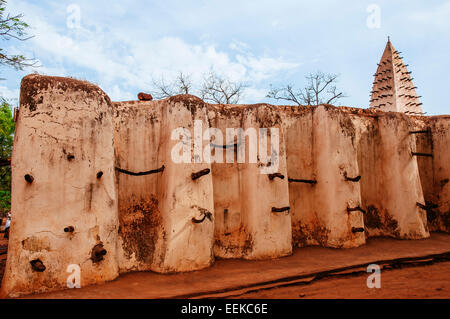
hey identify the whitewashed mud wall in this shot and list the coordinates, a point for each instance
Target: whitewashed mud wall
(95, 183)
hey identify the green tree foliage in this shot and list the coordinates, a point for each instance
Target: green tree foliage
(13, 27)
(7, 126)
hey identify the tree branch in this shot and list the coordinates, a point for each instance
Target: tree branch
(317, 89)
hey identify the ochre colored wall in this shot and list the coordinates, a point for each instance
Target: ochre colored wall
(434, 171)
(63, 139)
(68, 131)
(321, 147)
(391, 183)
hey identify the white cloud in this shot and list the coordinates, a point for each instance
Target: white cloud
(11, 96)
(121, 45)
(122, 61)
(117, 94)
(255, 95)
(239, 46)
(438, 15)
(261, 68)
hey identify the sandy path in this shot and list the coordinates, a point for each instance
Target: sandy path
(230, 275)
(411, 283)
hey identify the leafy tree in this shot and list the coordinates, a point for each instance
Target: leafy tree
(7, 126)
(320, 89)
(13, 27)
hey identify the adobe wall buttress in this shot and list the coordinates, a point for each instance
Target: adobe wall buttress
(390, 184)
(137, 143)
(64, 199)
(432, 136)
(156, 210)
(322, 161)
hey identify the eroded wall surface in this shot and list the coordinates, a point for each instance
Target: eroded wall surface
(390, 184)
(64, 198)
(252, 209)
(137, 127)
(109, 187)
(156, 210)
(432, 138)
(322, 152)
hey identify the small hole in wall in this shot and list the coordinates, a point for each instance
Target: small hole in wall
(37, 265)
(69, 229)
(97, 253)
(29, 178)
(99, 175)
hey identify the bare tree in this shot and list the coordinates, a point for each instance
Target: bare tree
(181, 85)
(214, 88)
(320, 89)
(221, 91)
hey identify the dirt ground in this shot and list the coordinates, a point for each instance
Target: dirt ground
(410, 269)
(288, 278)
(422, 282)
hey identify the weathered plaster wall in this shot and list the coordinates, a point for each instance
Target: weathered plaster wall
(189, 245)
(321, 147)
(432, 137)
(440, 218)
(245, 225)
(85, 155)
(63, 139)
(137, 127)
(390, 183)
(155, 211)
(270, 231)
(231, 236)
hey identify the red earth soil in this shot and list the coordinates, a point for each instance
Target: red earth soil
(410, 269)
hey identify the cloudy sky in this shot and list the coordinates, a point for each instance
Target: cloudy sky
(122, 45)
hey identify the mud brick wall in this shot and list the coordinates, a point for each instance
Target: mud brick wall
(432, 137)
(64, 199)
(390, 187)
(246, 202)
(156, 210)
(322, 152)
(94, 183)
(188, 244)
(231, 236)
(137, 127)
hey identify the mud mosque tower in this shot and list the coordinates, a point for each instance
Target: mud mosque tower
(393, 88)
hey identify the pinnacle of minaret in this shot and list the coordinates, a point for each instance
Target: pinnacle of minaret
(393, 89)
